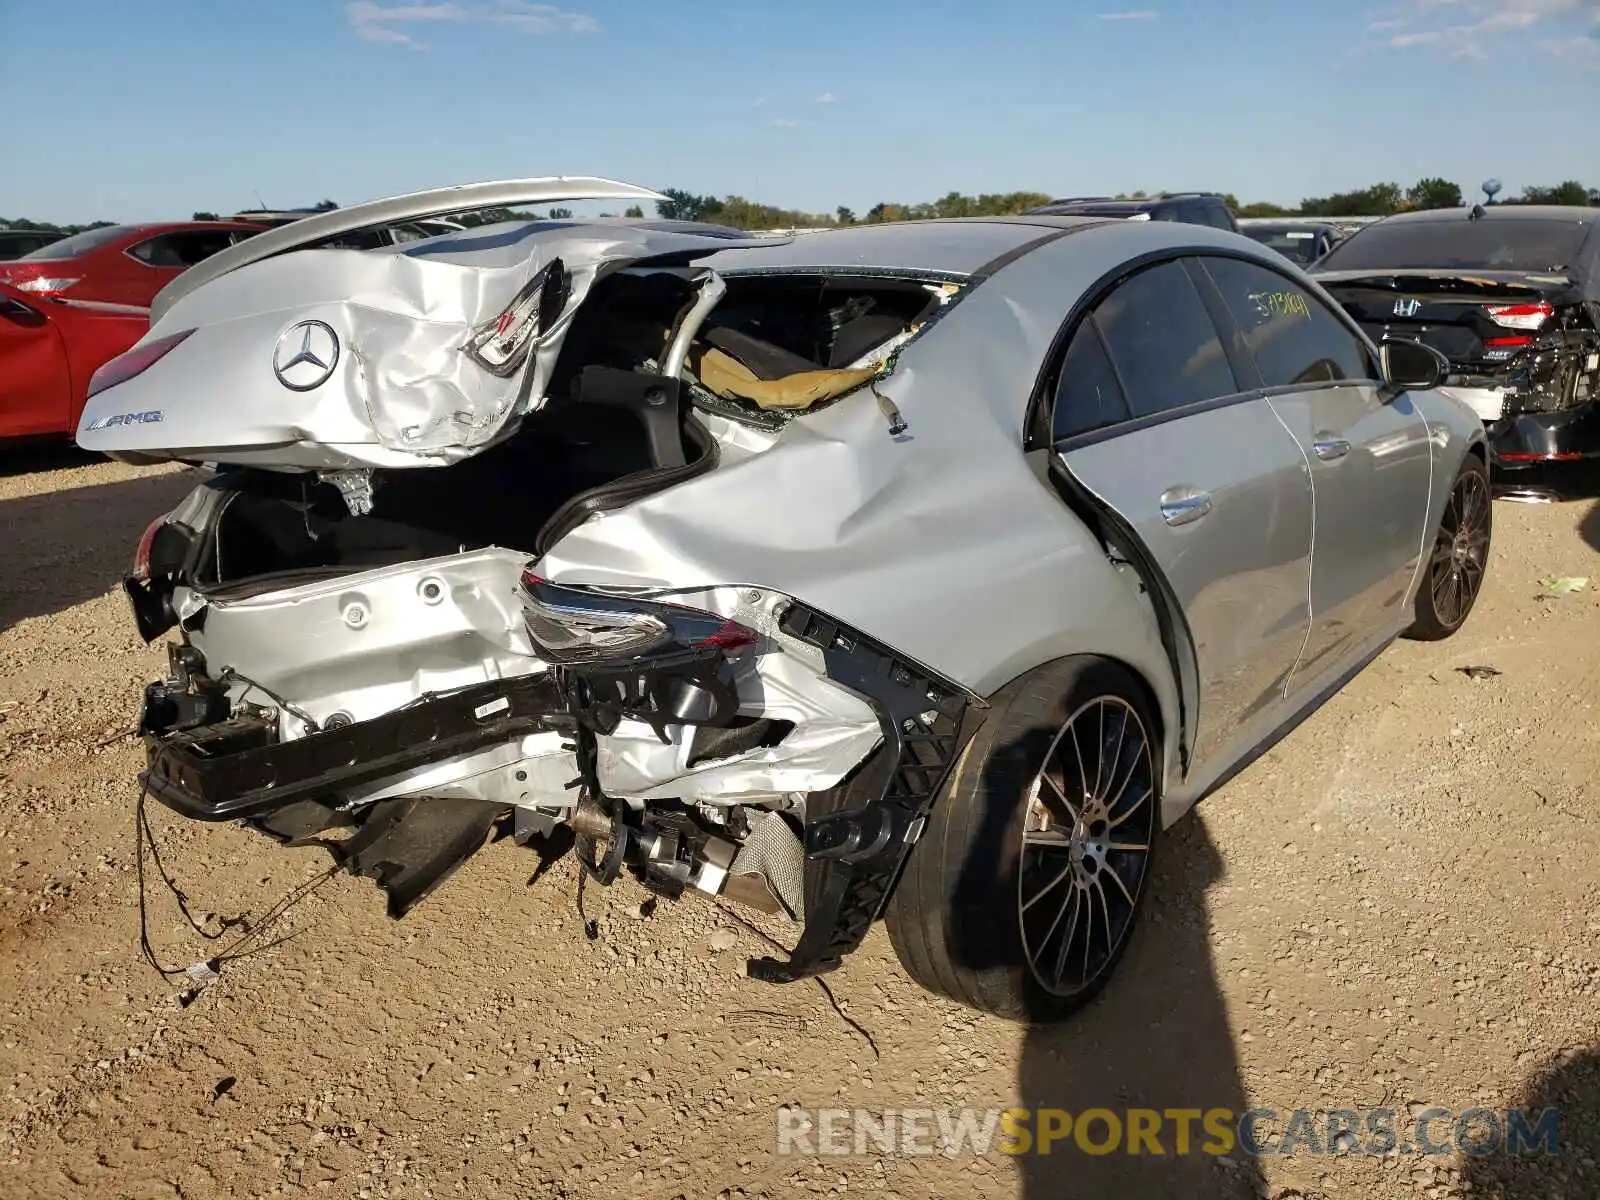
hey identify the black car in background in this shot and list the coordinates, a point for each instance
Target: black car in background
(1301, 242)
(1193, 208)
(14, 243)
(1510, 295)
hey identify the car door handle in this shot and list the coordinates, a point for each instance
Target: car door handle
(1179, 506)
(1329, 448)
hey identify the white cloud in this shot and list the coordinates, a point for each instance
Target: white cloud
(783, 123)
(541, 18)
(1474, 28)
(1583, 48)
(1141, 14)
(827, 98)
(385, 23)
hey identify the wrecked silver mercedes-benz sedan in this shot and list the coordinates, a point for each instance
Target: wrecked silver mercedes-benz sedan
(920, 571)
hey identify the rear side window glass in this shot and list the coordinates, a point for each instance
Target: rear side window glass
(1163, 342)
(182, 249)
(356, 239)
(1088, 395)
(1290, 333)
(158, 252)
(192, 248)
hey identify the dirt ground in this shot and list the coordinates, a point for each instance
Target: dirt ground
(1399, 905)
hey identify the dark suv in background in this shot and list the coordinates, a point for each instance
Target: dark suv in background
(1192, 208)
(14, 243)
(1300, 241)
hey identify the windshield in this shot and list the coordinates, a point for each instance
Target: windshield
(78, 243)
(1484, 245)
(1297, 244)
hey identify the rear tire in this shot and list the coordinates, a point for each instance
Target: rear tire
(1453, 575)
(1024, 888)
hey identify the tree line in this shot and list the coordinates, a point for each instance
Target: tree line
(1377, 200)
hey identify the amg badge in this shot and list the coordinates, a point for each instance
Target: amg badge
(152, 416)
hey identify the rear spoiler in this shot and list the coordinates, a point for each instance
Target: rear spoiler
(1500, 283)
(411, 207)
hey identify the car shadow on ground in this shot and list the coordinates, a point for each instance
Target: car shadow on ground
(52, 454)
(1157, 1037)
(1589, 527)
(60, 548)
(1571, 1086)
(1561, 483)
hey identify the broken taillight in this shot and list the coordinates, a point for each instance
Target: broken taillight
(575, 625)
(135, 362)
(1519, 316)
(141, 553)
(730, 635)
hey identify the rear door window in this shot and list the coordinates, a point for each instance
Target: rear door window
(1087, 393)
(1163, 342)
(1294, 338)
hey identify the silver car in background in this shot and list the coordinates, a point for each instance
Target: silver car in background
(922, 571)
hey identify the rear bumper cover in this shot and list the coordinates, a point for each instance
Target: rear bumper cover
(859, 835)
(1526, 439)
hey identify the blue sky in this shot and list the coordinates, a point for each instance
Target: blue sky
(144, 109)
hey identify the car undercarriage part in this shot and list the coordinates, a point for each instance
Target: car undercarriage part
(669, 849)
(412, 844)
(769, 870)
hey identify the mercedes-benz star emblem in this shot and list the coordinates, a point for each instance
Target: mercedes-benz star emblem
(305, 355)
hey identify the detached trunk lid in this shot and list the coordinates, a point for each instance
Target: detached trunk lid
(345, 360)
(1479, 320)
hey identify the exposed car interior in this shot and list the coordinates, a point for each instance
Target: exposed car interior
(611, 422)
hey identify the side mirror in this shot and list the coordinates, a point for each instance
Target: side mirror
(1411, 366)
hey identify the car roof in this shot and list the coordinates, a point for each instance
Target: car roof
(1499, 212)
(960, 246)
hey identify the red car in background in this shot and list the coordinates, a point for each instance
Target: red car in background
(49, 349)
(121, 264)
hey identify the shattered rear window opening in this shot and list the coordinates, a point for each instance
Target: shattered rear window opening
(781, 343)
